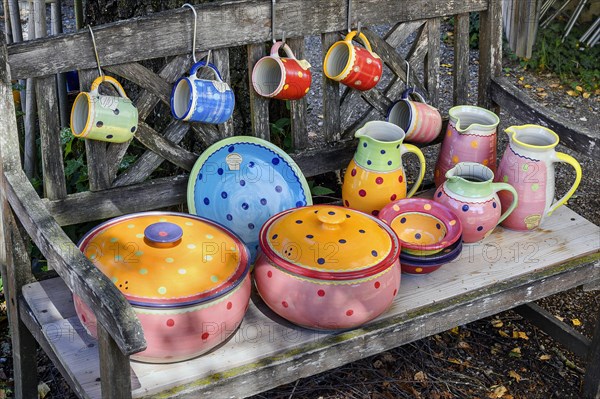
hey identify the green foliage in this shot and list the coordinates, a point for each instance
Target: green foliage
(76, 172)
(473, 29)
(281, 133)
(575, 63)
(319, 190)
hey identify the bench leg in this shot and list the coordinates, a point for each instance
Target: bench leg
(16, 272)
(115, 371)
(591, 382)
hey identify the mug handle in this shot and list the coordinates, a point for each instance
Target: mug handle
(204, 64)
(108, 79)
(505, 186)
(277, 46)
(361, 37)
(564, 158)
(411, 90)
(415, 150)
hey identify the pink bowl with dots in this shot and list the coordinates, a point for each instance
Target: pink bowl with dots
(327, 267)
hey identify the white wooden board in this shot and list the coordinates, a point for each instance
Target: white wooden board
(500, 260)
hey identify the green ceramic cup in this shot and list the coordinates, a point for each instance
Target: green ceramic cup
(105, 118)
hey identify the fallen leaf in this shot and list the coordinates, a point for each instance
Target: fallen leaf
(503, 334)
(43, 390)
(545, 357)
(540, 89)
(514, 375)
(522, 78)
(420, 376)
(497, 323)
(559, 318)
(450, 33)
(597, 92)
(576, 322)
(522, 335)
(572, 93)
(454, 330)
(515, 352)
(508, 396)
(542, 94)
(463, 345)
(579, 88)
(498, 392)
(554, 85)
(453, 360)
(446, 65)
(586, 95)
(527, 86)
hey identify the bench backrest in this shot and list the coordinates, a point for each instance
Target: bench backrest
(123, 46)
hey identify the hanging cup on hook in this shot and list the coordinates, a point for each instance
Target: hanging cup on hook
(283, 78)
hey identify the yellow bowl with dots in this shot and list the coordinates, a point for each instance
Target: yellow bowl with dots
(424, 227)
(186, 277)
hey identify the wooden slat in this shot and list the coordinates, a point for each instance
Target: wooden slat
(95, 151)
(259, 106)
(394, 61)
(221, 60)
(377, 100)
(418, 50)
(97, 291)
(298, 107)
(165, 148)
(331, 97)
(461, 59)
(490, 51)
(432, 63)
(88, 206)
(55, 186)
(266, 352)
(145, 78)
(316, 161)
(573, 340)
(399, 33)
(519, 105)
(169, 33)
(591, 382)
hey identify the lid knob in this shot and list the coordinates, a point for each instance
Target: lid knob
(163, 234)
(331, 218)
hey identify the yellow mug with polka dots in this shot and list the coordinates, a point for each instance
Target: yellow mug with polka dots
(470, 137)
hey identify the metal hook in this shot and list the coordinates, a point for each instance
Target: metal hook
(407, 72)
(273, 20)
(358, 29)
(349, 16)
(208, 57)
(96, 53)
(283, 37)
(194, 37)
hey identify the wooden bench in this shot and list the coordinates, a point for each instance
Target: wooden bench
(507, 270)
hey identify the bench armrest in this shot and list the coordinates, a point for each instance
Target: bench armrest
(111, 308)
(518, 104)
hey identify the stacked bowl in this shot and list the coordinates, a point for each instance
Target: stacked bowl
(430, 233)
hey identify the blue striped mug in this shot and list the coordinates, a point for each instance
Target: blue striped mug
(202, 100)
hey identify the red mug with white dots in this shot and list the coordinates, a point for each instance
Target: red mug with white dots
(355, 66)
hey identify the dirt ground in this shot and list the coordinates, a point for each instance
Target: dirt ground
(498, 357)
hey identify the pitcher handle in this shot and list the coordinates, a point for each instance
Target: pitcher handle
(411, 90)
(564, 158)
(505, 186)
(361, 37)
(415, 150)
(277, 46)
(204, 64)
(108, 79)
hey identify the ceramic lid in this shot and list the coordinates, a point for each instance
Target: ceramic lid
(329, 242)
(161, 259)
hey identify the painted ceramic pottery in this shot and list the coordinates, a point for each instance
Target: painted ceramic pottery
(470, 137)
(242, 181)
(186, 277)
(446, 255)
(375, 176)
(423, 226)
(469, 192)
(342, 262)
(528, 165)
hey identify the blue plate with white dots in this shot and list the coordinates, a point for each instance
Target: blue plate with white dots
(242, 181)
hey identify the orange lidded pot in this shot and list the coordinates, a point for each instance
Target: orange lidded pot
(186, 277)
(337, 260)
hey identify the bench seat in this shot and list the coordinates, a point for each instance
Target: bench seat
(506, 270)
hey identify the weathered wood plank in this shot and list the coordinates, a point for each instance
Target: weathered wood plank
(399, 33)
(266, 352)
(461, 60)
(298, 107)
(518, 104)
(331, 97)
(377, 100)
(171, 31)
(221, 61)
(84, 279)
(115, 375)
(432, 63)
(259, 106)
(165, 148)
(394, 61)
(490, 51)
(316, 161)
(418, 49)
(55, 186)
(88, 206)
(591, 381)
(145, 78)
(573, 340)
